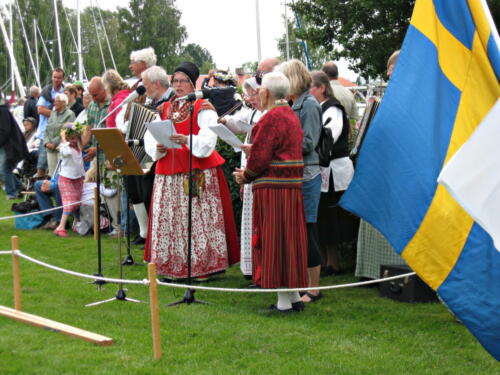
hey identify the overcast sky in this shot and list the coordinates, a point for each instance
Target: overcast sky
(227, 28)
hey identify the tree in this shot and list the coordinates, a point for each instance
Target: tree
(317, 54)
(199, 56)
(365, 32)
(154, 23)
(250, 66)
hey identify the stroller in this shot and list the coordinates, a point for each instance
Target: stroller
(25, 171)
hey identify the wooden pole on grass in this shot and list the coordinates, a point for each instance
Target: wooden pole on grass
(15, 273)
(96, 214)
(155, 314)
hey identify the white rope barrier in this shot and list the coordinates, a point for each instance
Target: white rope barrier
(44, 211)
(63, 270)
(199, 287)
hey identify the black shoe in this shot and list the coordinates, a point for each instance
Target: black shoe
(273, 309)
(298, 306)
(139, 240)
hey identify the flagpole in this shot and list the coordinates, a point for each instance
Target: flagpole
(257, 20)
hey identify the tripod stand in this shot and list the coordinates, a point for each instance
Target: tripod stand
(189, 294)
(124, 162)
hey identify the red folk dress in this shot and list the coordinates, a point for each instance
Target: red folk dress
(214, 237)
(275, 165)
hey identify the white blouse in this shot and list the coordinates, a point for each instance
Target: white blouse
(341, 168)
(203, 143)
(71, 162)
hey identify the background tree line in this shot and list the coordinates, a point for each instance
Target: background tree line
(144, 23)
(364, 32)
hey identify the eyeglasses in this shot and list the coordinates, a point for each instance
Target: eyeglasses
(180, 81)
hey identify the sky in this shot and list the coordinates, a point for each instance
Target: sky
(228, 28)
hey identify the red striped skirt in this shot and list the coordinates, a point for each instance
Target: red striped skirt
(279, 254)
(71, 192)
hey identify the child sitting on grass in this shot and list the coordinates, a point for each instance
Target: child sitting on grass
(71, 174)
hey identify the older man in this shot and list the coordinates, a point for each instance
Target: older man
(96, 111)
(157, 85)
(44, 107)
(140, 60)
(342, 94)
(30, 109)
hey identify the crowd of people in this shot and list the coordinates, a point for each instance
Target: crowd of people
(292, 228)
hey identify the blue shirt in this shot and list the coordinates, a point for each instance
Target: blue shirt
(42, 124)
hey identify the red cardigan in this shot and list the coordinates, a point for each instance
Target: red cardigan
(276, 154)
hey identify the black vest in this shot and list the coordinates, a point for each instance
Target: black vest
(341, 146)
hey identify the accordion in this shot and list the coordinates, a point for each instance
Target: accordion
(140, 115)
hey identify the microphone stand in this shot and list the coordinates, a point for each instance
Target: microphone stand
(189, 294)
(99, 283)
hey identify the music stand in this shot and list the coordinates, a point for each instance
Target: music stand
(123, 160)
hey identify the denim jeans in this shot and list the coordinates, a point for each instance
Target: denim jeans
(10, 180)
(45, 200)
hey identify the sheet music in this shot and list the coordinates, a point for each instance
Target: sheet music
(162, 131)
(245, 126)
(227, 136)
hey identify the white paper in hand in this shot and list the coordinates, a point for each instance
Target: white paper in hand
(227, 136)
(162, 131)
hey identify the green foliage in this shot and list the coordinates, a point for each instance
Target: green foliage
(348, 332)
(365, 32)
(232, 161)
(198, 55)
(318, 54)
(250, 66)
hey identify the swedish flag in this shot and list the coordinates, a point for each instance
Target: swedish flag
(445, 82)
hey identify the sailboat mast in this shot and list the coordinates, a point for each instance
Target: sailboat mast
(257, 20)
(79, 47)
(37, 79)
(61, 61)
(11, 38)
(35, 35)
(12, 58)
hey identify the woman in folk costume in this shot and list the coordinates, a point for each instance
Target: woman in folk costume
(275, 165)
(214, 239)
(242, 123)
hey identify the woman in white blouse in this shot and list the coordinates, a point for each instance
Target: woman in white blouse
(335, 224)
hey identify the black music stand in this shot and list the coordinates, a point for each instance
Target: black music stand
(122, 159)
(189, 294)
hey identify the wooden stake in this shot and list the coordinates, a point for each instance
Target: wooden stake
(54, 326)
(97, 220)
(155, 314)
(15, 274)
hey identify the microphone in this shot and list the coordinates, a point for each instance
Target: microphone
(135, 142)
(203, 94)
(140, 90)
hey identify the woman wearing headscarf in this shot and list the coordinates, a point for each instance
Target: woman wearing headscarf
(275, 167)
(214, 238)
(242, 122)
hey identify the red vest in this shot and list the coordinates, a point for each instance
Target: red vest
(177, 160)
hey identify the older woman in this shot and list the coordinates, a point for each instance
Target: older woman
(214, 238)
(242, 123)
(60, 115)
(335, 224)
(309, 112)
(73, 104)
(275, 166)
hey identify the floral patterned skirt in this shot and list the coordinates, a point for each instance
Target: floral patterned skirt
(168, 227)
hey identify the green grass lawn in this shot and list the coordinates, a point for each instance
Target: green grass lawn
(349, 331)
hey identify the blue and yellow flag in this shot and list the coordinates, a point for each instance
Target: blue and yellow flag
(445, 82)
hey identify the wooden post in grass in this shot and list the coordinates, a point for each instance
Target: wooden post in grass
(155, 314)
(15, 274)
(96, 215)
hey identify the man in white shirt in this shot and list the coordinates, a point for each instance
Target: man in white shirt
(342, 94)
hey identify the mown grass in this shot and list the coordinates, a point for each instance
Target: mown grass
(349, 331)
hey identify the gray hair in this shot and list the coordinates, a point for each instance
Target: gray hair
(147, 55)
(157, 74)
(62, 97)
(34, 90)
(277, 84)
